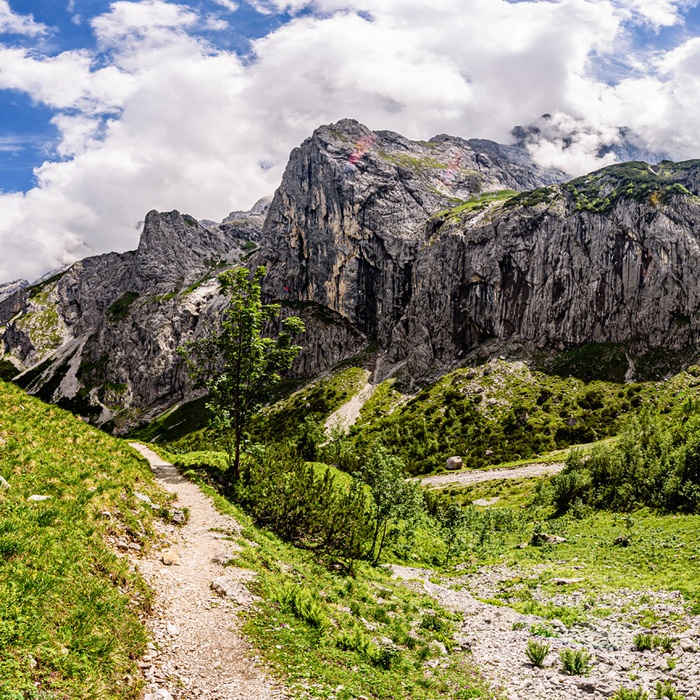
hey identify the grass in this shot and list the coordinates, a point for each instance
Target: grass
(600, 191)
(69, 623)
(119, 309)
(476, 203)
(497, 413)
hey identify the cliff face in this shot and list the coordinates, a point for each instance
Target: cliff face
(422, 249)
(101, 337)
(354, 209)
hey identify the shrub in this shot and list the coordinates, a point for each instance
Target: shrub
(655, 463)
(644, 641)
(541, 630)
(306, 506)
(576, 662)
(628, 694)
(665, 643)
(536, 652)
(665, 689)
(434, 623)
(304, 605)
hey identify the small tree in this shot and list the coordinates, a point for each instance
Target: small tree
(452, 521)
(239, 366)
(395, 498)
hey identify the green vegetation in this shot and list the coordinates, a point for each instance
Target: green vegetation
(646, 641)
(119, 309)
(7, 370)
(601, 190)
(665, 689)
(475, 203)
(631, 694)
(315, 401)
(348, 636)
(69, 622)
(175, 423)
(655, 463)
(542, 195)
(37, 289)
(536, 652)
(496, 413)
(43, 326)
(576, 662)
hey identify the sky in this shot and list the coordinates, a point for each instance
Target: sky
(111, 109)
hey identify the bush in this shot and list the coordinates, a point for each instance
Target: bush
(665, 689)
(645, 641)
(629, 694)
(655, 463)
(304, 505)
(576, 662)
(536, 652)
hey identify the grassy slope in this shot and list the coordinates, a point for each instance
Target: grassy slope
(496, 413)
(69, 619)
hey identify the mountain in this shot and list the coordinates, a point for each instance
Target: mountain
(9, 288)
(432, 253)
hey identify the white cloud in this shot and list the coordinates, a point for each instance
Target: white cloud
(227, 4)
(12, 23)
(162, 119)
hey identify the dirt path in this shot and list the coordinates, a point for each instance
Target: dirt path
(468, 478)
(198, 650)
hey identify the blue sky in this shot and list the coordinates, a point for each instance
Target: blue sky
(29, 137)
(112, 108)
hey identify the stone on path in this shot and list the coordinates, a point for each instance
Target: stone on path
(170, 559)
(233, 589)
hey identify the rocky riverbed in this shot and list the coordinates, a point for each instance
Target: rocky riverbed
(498, 635)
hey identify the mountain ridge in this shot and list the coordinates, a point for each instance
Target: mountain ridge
(433, 253)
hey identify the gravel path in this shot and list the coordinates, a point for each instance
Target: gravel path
(197, 649)
(467, 478)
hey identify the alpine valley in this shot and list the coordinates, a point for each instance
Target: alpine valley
(479, 479)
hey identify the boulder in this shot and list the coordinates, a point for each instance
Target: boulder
(454, 463)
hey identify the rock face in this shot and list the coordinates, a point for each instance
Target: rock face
(355, 207)
(422, 250)
(9, 288)
(100, 338)
(405, 242)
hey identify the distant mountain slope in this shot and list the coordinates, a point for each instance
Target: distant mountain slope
(431, 252)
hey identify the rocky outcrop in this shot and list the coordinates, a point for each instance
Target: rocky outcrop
(354, 209)
(10, 288)
(432, 262)
(561, 269)
(100, 338)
